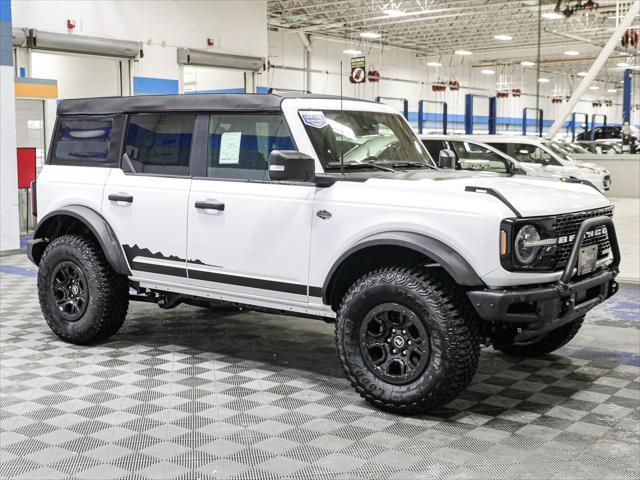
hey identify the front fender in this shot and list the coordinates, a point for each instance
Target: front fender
(450, 260)
(93, 221)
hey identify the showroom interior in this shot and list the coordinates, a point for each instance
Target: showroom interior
(529, 107)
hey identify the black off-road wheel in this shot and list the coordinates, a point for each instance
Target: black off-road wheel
(549, 343)
(82, 299)
(407, 339)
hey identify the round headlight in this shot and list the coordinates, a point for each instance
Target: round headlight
(526, 254)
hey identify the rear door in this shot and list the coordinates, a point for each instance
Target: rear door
(248, 236)
(145, 201)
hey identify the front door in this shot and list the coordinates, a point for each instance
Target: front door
(145, 202)
(248, 237)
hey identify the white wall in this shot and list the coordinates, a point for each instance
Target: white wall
(9, 226)
(162, 26)
(285, 48)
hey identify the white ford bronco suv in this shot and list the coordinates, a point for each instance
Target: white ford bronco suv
(320, 207)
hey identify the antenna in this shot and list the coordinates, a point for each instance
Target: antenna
(341, 142)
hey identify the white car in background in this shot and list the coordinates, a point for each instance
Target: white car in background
(473, 155)
(547, 155)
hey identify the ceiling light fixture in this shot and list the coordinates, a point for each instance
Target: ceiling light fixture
(349, 51)
(487, 72)
(552, 16)
(612, 90)
(370, 35)
(462, 52)
(623, 65)
(434, 64)
(502, 37)
(527, 63)
(594, 87)
(394, 12)
(543, 80)
(572, 53)
(582, 74)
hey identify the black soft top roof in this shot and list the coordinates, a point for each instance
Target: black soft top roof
(233, 102)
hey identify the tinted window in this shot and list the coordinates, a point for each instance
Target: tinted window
(434, 147)
(83, 140)
(160, 144)
(476, 157)
(240, 144)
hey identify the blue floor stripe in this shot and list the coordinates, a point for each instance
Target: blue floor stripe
(13, 270)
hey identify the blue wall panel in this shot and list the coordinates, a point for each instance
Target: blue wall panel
(154, 86)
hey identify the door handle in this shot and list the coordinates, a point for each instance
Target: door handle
(121, 197)
(210, 206)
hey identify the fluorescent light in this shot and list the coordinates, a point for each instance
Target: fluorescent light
(552, 15)
(527, 63)
(434, 64)
(572, 53)
(612, 90)
(370, 35)
(594, 87)
(623, 65)
(487, 72)
(394, 12)
(543, 80)
(350, 51)
(582, 74)
(462, 52)
(504, 38)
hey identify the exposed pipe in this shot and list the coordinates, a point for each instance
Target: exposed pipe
(602, 58)
(577, 38)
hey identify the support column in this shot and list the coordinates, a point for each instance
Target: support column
(9, 223)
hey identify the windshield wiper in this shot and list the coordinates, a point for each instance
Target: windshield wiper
(411, 164)
(348, 166)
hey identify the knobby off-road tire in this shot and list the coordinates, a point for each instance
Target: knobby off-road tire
(437, 319)
(82, 299)
(547, 344)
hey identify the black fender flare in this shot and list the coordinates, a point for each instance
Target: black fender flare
(450, 260)
(95, 222)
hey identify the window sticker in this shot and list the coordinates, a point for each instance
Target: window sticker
(313, 119)
(230, 148)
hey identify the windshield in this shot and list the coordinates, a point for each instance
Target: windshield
(569, 148)
(557, 150)
(364, 140)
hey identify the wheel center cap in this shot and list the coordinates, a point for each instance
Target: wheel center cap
(74, 289)
(398, 341)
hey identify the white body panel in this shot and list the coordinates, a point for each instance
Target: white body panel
(263, 233)
(155, 222)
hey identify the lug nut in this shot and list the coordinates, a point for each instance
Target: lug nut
(393, 330)
(394, 351)
(404, 332)
(409, 342)
(404, 352)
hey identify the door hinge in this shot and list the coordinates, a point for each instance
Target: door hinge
(323, 214)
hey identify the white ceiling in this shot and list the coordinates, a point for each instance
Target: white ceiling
(436, 28)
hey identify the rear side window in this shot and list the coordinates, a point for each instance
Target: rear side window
(160, 144)
(434, 147)
(83, 140)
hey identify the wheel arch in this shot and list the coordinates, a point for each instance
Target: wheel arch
(402, 247)
(78, 219)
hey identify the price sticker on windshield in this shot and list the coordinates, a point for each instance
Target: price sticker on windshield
(314, 119)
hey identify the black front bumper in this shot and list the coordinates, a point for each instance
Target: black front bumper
(539, 309)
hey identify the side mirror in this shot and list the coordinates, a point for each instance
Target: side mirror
(447, 159)
(291, 165)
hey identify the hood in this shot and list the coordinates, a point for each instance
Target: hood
(530, 196)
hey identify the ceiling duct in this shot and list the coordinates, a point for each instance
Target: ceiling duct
(202, 58)
(19, 37)
(61, 42)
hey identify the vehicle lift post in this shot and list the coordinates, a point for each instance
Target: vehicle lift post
(405, 104)
(540, 120)
(593, 123)
(421, 114)
(468, 113)
(626, 104)
(573, 124)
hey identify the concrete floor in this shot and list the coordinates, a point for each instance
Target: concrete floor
(627, 219)
(194, 393)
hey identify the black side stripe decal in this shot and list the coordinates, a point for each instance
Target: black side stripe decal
(259, 283)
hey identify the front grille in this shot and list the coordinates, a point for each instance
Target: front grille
(567, 225)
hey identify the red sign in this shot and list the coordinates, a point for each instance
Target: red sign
(26, 167)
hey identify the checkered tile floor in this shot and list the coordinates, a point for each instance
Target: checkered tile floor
(200, 394)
